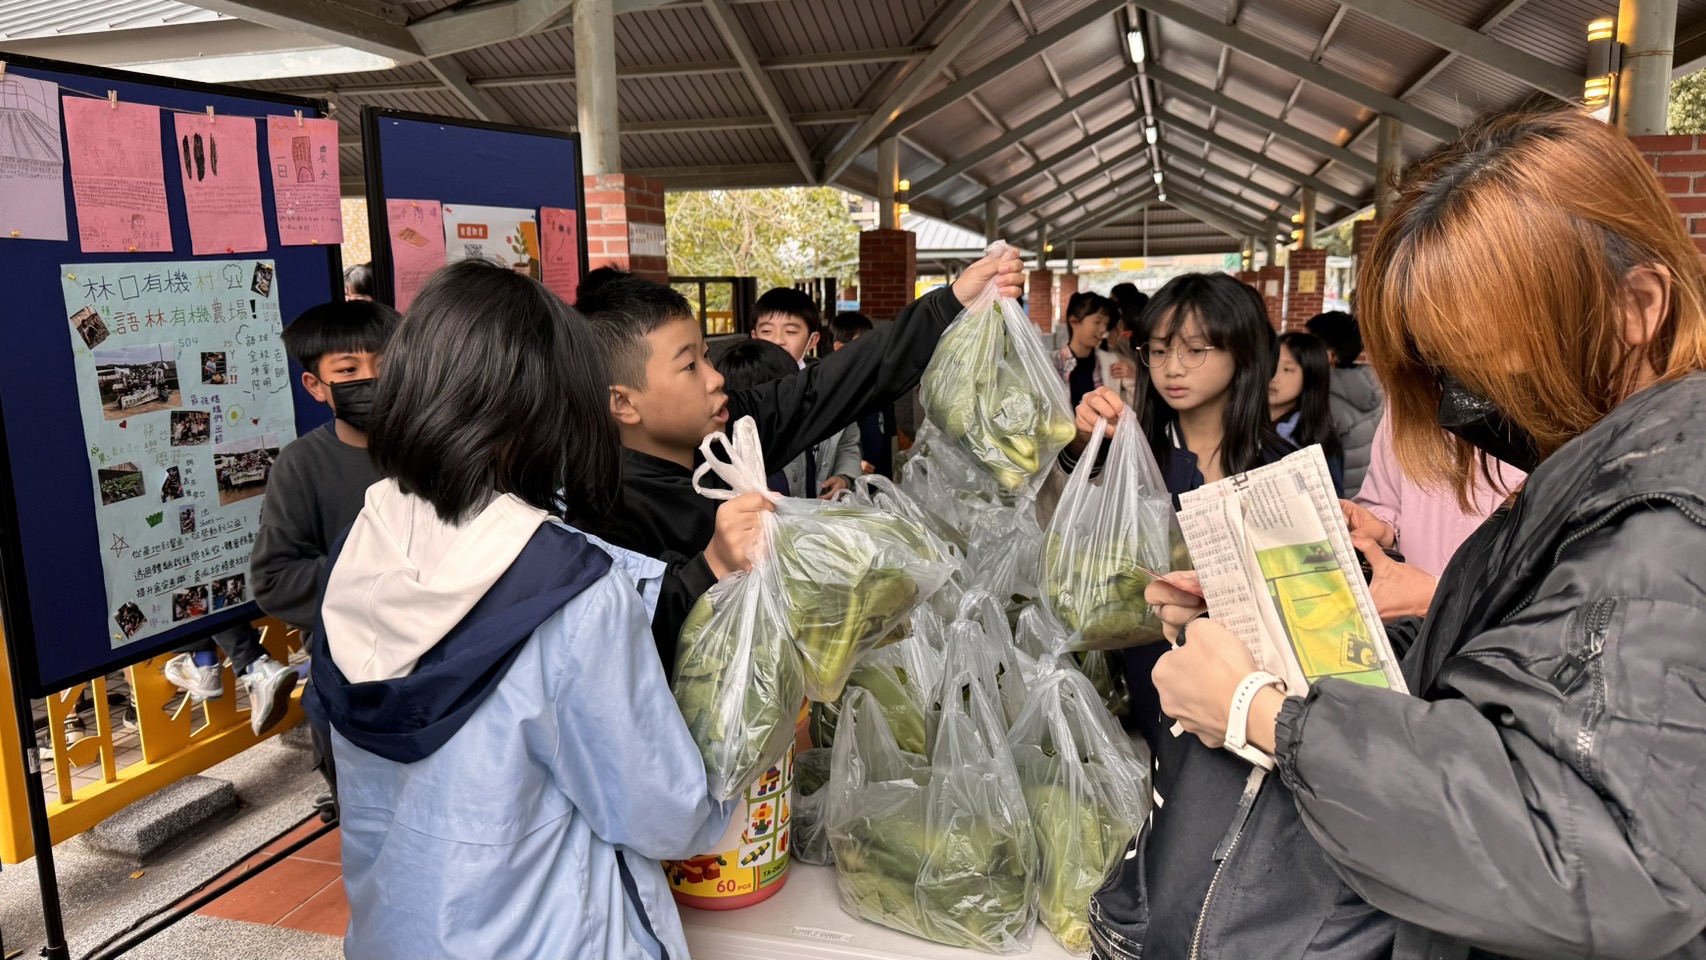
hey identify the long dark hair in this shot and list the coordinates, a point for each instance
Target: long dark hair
(493, 384)
(1232, 317)
(1315, 403)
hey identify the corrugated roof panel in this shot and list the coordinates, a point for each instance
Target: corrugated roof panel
(1458, 11)
(1554, 31)
(687, 98)
(824, 89)
(1467, 89)
(26, 19)
(1327, 114)
(1294, 24)
(1003, 32)
(668, 35)
(539, 105)
(703, 149)
(439, 101)
(413, 73)
(1378, 55)
(550, 52)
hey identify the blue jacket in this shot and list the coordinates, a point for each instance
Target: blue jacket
(510, 794)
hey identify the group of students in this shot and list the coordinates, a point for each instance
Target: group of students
(494, 546)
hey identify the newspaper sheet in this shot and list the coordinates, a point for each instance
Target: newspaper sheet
(1279, 571)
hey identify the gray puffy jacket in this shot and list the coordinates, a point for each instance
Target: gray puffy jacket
(1358, 404)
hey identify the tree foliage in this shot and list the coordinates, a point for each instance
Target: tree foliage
(1688, 104)
(777, 235)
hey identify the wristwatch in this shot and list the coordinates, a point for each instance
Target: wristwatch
(1238, 717)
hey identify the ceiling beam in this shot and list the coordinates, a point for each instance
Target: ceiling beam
(488, 25)
(999, 67)
(1042, 120)
(651, 127)
(1101, 218)
(1250, 156)
(480, 102)
(1205, 212)
(1257, 118)
(1301, 67)
(363, 24)
(1207, 169)
(739, 44)
(1223, 197)
(910, 86)
(1042, 166)
(1105, 168)
(1689, 54)
(1455, 37)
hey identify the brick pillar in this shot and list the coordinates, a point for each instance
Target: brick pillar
(1248, 278)
(888, 272)
(1681, 164)
(1039, 298)
(625, 225)
(1066, 284)
(1362, 237)
(1306, 287)
(1270, 283)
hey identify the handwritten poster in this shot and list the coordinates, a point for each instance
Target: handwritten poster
(560, 251)
(417, 245)
(32, 160)
(509, 235)
(222, 183)
(117, 179)
(303, 161)
(185, 396)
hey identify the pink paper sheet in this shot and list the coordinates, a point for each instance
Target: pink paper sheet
(417, 245)
(117, 179)
(222, 183)
(303, 157)
(560, 253)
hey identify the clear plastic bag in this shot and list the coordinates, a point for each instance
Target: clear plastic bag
(847, 575)
(811, 827)
(1108, 531)
(1087, 788)
(983, 628)
(903, 679)
(993, 390)
(1039, 635)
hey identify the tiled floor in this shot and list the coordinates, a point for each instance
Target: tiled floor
(305, 891)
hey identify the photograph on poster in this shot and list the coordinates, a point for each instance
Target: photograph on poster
(243, 467)
(191, 428)
(230, 591)
(137, 379)
(172, 488)
(189, 602)
(186, 522)
(130, 619)
(261, 283)
(119, 482)
(90, 327)
(213, 367)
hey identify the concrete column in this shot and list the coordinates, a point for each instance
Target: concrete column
(1072, 256)
(1647, 31)
(991, 220)
(1308, 219)
(595, 86)
(1389, 163)
(1146, 227)
(1042, 246)
(1272, 251)
(888, 181)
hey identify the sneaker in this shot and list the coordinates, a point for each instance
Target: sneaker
(270, 684)
(75, 729)
(129, 721)
(201, 683)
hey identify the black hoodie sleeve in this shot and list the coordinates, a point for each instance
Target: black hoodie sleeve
(685, 580)
(795, 413)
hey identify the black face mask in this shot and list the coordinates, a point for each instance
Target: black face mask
(1473, 418)
(352, 401)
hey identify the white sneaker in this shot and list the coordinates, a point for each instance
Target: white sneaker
(201, 683)
(270, 684)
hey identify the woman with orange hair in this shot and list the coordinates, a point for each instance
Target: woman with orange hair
(1539, 793)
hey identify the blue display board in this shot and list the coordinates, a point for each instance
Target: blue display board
(57, 615)
(411, 156)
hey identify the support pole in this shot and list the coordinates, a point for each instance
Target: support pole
(991, 220)
(1389, 163)
(1647, 31)
(888, 181)
(1146, 231)
(1072, 256)
(1308, 219)
(1042, 246)
(1272, 250)
(595, 85)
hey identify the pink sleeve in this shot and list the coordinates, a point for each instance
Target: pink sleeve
(1382, 490)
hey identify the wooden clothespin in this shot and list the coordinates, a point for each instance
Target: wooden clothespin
(2, 71)
(112, 99)
(299, 118)
(210, 113)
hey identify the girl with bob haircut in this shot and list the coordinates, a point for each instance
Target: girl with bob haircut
(1300, 400)
(511, 762)
(1538, 792)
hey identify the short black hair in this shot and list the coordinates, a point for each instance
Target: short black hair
(359, 279)
(622, 310)
(339, 326)
(495, 385)
(849, 326)
(1340, 332)
(794, 303)
(752, 363)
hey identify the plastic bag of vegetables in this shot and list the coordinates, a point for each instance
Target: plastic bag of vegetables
(993, 390)
(1039, 635)
(847, 575)
(903, 680)
(811, 832)
(1108, 531)
(1087, 789)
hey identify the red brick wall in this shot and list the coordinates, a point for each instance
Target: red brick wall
(1039, 299)
(1362, 236)
(1681, 165)
(1270, 283)
(888, 272)
(624, 217)
(1300, 306)
(1248, 277)
(1066, 284)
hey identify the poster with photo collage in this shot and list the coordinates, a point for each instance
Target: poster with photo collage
(185, 399)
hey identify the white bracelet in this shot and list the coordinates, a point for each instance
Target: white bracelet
(1238, 718)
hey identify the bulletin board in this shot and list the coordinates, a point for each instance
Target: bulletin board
(198, 411)
(442, 189)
